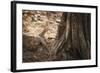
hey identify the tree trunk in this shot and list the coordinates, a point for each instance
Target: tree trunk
(73, 39)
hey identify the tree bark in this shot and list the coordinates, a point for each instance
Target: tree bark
(73, 40)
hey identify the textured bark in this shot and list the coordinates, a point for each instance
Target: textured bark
(74, 37)
(87, 35)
